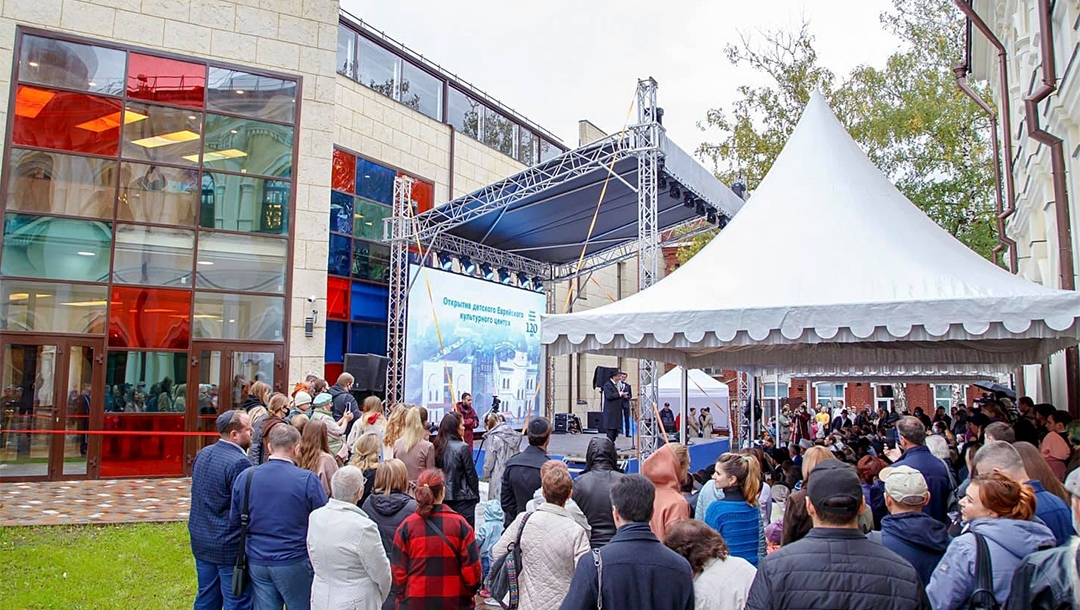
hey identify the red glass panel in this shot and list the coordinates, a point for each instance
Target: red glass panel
(67, 121)
(166, 80)
(337, 298)
(155, 318)
(423, 195)
(331, 371)
(343, 177)
(149, 454)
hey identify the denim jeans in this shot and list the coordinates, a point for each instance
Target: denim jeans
(274, 586)
(215, 588)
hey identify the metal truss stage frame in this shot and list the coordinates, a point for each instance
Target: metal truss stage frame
(642, 151)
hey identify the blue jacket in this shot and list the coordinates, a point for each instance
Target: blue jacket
(282, 497)
(213, 540)
(739, 524)
(489, 531)
(708, 494)
(1009, 542)
(937, 479)
(1053, 511)
(918, 538)
(640, 573)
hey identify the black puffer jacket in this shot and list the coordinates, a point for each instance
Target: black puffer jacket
(592, 489)
(388, 512)
(457, 465)
(836, 568)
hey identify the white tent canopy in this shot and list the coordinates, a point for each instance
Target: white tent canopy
(702, 390)
(829, 269)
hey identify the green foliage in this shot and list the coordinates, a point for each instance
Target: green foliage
(146, 566)
(910, 117)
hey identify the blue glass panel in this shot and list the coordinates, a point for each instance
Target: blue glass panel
(340, 262)
(370, 303)
(341, 212)
(374, 181)
(56, 248)
(367, 339)
(335, 341)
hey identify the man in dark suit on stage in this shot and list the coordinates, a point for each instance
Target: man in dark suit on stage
(613, 405)
(625, 389)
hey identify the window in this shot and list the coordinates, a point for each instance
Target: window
(157, 79)
(160, 134)
(369, 303)
(241, 263)
(337, 298)
(340, 259)
(343, 177)
(346, 52)
(770, 393)
(341, 212)
(52, 308)
(421, 91)
(249, 147)
(943, 396)
(829, 394)
(145, 382)
(153, 256)
(149, 318)
(336, 335)
(245, 203)
(56, 248)
(377, 68)
(253, 95)
(423, 196)
(54, 183)
(370, 261)
(464, 113)
(71, 65)
(527, 149)
(75, 122)
(548, 150)
(368, 218)
(884, 396)
(367, 339)
(156, 194)
(239, 316)
(499, 132)
(375, 182)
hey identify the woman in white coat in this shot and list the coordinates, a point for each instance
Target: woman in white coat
(551, 543)
(348, 576)
(721, 581)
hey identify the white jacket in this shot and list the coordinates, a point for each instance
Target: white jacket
(723, 585)
(348, 576)
(551, 545)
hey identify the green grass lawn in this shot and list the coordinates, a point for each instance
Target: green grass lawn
(144, 566)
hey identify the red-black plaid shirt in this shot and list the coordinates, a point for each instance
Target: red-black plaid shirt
(428, 574)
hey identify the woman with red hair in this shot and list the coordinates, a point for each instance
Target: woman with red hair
(435, 562)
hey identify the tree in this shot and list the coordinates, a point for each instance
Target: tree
(910, 117)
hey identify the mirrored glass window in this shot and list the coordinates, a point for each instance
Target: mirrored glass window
(71, 65)
(52, 308)
(421, 91)
(54, 183)
(378, 68)
(245, 203)
(56, 248)
(157, 194)
(149, 318)
(244, 146)
(161, 134)
(228, 261)
(346, 52)
(157, 79)
(62, 120)
(239, 316)
(254, 95)
(153, 256)
(465, 113)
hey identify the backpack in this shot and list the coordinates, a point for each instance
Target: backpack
(503, 578)
(982, 598)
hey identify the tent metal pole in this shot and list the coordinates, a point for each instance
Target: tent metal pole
(776, 405)
(684, 398)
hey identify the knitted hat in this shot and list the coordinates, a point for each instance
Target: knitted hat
(302, 398)
(322, 399)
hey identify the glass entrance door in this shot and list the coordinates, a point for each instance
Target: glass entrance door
(225, 373)
(47, 407)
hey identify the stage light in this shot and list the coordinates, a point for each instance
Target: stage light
(487, 271)
(504, 275)
(661, 182)
(467, 266)
(710, 216)
(675, 193)
(523, 279)
(688, 199)
(699, 207)
(538, 283)
(722, 221)
(446, 261)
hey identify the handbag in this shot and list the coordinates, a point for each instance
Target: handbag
(240, 575)
(982, 598)
(503, 578)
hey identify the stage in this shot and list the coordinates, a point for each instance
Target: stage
(571, 449)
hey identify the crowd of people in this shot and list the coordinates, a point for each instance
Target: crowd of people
(327, 502)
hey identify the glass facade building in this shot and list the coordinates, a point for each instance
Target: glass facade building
(146, 215)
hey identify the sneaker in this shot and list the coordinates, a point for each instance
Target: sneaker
(491, 601)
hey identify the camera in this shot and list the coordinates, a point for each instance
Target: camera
(312, 299)
(495, 402)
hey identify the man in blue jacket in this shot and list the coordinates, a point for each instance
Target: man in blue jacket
(213, 542)
(906, 530)
(637, 571)
(912, 440)
(1003, 458)
(281, 499)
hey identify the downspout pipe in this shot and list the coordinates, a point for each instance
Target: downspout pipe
(1061, 195)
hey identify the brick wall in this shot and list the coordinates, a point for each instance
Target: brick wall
(857, 395)
(920, 395)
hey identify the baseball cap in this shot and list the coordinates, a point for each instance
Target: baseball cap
(322, 399)
(302, 398)
(774, 532)
(905, 485)
(1072, 483)
(224, 420)
(834, 482)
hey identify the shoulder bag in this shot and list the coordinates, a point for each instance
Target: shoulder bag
(982, 598)
(599, 563)
(240, 575)
(503, 578)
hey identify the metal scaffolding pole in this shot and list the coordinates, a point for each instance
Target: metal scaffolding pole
(647, 136)
(399, 293)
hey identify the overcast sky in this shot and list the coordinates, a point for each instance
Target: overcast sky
(559, 61)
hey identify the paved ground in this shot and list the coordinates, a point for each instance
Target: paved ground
(105, 501)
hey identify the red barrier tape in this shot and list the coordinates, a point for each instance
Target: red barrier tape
(111, 432)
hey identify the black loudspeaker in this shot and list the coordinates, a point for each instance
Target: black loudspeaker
(561, 422)
(602, 375)
(594, 420)
(368, 371)
(378, 367)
